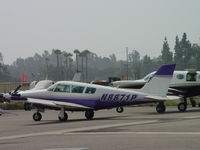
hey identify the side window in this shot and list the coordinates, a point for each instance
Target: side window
(90, 90)
(77, 89)
(62, 88)
(191, 77)
(180, 76)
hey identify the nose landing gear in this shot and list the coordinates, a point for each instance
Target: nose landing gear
(37, 116)
(89, 114)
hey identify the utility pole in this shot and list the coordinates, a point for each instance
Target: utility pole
(127, 63)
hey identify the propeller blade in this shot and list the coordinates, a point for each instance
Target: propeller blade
(15, 91)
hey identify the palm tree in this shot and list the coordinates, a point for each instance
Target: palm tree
(57, 52)
(77, 52)
(70, 66)
(82, 55)
(47, 65)
(85, 53)
(67, 55)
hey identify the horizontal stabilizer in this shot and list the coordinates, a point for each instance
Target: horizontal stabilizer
(161, 98)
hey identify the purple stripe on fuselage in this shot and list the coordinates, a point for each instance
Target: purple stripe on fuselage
(166, 70)
(97, 104)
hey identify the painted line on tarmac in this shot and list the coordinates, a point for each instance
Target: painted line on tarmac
(66, 149)
(59, 132)
(134, 133)
(192, 117)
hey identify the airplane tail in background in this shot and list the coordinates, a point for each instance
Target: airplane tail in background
(158, 85)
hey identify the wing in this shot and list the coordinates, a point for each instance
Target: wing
(67, 105)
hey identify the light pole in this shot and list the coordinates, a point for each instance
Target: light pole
(127, 63)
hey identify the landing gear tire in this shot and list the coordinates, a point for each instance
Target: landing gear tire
(182, 107)
(120, 109)
(89, 114)
(37, 116)
(64, 117)
(160, 108)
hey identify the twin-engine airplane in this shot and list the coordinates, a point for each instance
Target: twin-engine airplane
(185, 84)
(77, 96)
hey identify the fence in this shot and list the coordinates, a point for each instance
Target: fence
(6, 87)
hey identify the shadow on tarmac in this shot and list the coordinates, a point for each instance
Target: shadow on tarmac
(45, 122)
(173, 112)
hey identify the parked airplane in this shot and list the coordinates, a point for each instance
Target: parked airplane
(77, 96)
(185, 84)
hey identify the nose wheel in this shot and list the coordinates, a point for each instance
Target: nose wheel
(89, 114)
(63, 117)
(37, 116)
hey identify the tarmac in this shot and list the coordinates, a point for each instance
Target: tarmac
(137, 128)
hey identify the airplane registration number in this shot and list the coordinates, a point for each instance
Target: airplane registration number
(118, 97)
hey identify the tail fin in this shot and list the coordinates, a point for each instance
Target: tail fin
(159, 83)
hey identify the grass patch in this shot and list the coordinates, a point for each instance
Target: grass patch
(12, 106)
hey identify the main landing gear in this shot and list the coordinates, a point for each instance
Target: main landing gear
(89, 114)
(160, 108)
(62, 116)
(182, 106)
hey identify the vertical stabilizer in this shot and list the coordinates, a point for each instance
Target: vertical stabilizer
(159, 83)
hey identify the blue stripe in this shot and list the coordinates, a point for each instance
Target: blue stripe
(97, 104)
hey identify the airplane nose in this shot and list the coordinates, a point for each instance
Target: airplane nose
(7, 96)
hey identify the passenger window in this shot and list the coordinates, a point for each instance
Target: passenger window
(77, 89)
(62, 88)
(90, 90)
(191, 77)
(180, 76)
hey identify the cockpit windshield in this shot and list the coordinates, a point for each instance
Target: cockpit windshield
(52, 87)
(61, 87)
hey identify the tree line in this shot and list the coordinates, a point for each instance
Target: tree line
(61, 65)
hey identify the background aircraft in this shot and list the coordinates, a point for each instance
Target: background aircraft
(77, 96)
(185, 84)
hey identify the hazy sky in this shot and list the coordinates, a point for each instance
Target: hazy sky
(102, 26)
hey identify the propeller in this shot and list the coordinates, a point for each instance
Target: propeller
(6, 97)
(16, 90)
